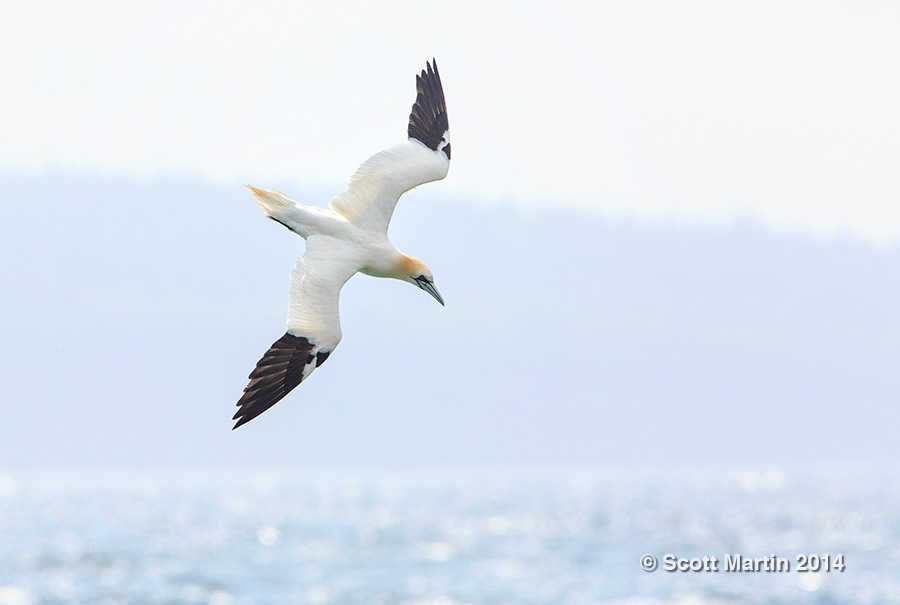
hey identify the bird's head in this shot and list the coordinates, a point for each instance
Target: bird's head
(414, 271)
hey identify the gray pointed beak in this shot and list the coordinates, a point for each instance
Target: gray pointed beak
(429, 287)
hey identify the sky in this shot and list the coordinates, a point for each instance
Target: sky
(784, 113)
(669, 232)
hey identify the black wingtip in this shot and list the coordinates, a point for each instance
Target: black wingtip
(428, 120)
(276, 374)
(242, 420)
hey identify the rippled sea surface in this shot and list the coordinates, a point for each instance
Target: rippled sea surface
(443, 537)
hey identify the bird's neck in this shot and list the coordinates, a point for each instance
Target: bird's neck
(389, 263)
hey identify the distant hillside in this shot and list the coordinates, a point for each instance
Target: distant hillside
(132, 312)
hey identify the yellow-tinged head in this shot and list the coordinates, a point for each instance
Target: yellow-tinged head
(414, 271)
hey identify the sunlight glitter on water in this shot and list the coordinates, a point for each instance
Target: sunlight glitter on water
(502, 537)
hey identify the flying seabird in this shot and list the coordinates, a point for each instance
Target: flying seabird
(349, 237)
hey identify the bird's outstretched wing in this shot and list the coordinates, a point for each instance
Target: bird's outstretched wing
(313, 327)
(379, 182)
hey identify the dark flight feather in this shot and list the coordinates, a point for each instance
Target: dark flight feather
(428, 120)
(275, 375)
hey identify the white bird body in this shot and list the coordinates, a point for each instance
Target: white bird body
(347, 238)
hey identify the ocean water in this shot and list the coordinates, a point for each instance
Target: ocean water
(444, 536)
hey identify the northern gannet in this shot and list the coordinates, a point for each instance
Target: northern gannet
(349, 237)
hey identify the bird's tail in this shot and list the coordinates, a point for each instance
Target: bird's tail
(302, 220)
(272, 202)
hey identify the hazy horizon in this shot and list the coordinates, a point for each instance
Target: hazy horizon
(138, 309)
(698, 111)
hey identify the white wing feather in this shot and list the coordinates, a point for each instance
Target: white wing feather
(316, 284)
(378, 183)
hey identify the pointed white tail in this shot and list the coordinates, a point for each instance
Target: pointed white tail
(271, 200)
